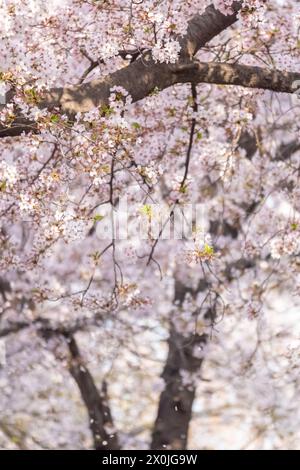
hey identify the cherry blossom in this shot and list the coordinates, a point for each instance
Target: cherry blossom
(149, 235)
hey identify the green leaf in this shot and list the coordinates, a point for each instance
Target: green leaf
(98, 218)
(183, 189)
(2, 185)
(154, 92)
(146, 209)
(54, 118)
(106, 110)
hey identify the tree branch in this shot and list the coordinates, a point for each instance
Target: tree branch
(203, 28)
(139, 78)
(140, 81)
(239, 75)
(143, 76)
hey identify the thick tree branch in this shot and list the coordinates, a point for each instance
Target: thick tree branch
(140, 78)
(203, 28)
(140, 81)
(239, 75)
(143, 76)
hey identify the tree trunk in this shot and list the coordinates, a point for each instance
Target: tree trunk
(100, 418)
(176, 401)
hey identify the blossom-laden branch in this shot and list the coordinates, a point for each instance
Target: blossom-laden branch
(141, 83)
(143, 76)
(139, 78)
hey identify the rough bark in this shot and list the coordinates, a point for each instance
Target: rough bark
(238, 75)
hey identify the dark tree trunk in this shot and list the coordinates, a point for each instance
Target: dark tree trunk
(176, 401)
(96, 402)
